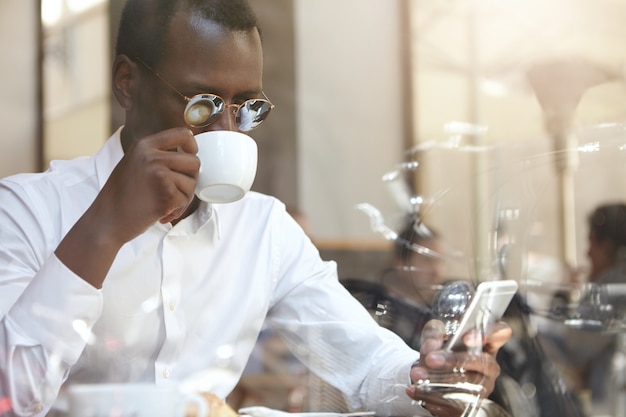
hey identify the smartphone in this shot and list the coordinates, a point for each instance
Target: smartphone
(487, 306)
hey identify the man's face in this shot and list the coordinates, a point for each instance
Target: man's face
(199, 57)
(429, 270)
(600, 253)
(424, 273)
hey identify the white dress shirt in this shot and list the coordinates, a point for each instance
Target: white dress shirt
(180, 305)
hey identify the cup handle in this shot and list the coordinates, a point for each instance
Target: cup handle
(198, 400)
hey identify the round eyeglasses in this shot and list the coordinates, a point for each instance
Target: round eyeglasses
(203, 109)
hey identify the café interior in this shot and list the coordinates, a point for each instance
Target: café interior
(497, 123)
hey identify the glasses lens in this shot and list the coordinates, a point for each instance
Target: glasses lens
(252, 113)
(203, 109)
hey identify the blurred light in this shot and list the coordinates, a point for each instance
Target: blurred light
(51, 11)
(493, 88)
(5, 405)
(381, 310)
(224, 355)
(83, 330)
(464, 128)
(510, 214)
(225, 351)
(590, 147)
(78, 6)
(150, 304)
(410, 165)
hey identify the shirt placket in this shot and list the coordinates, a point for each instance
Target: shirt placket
(168, 357)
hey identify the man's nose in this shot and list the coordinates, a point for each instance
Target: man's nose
(225, 121)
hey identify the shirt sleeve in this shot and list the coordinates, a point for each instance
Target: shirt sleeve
(335, 336)
(42, 336)
(338, 340)
(46, 311)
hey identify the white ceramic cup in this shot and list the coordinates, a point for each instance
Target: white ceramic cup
(228, 165)
(137, 400)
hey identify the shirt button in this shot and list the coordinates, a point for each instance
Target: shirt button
(38, 407)
(166, 373)
(172, 306)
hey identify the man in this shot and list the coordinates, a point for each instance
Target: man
(607, 243)
(111, 270)
(588, 355)
(419, 263)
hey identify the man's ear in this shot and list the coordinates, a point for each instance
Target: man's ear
(125, 78)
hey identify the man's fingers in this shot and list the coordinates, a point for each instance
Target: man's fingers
(184, 163)
(500, 334)
(164, 167)
(450, 367)
(477, 365)
(172, 139)
(433, 335)
(189, 146)
(461, 362)
(436, 403)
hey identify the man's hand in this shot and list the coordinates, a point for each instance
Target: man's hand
(154, 181)
(437, 365)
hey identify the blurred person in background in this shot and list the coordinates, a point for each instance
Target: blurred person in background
(529, 385)
(586, 354)
(607, 244)
(418, 268)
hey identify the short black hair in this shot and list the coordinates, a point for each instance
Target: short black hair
(144, 24)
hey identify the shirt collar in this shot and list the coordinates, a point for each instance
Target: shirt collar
(205, 219)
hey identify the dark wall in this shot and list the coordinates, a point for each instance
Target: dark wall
(278, 166)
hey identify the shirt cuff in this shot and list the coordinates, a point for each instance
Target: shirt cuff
(57, 310)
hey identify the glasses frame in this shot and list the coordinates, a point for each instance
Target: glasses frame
(235, 107)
